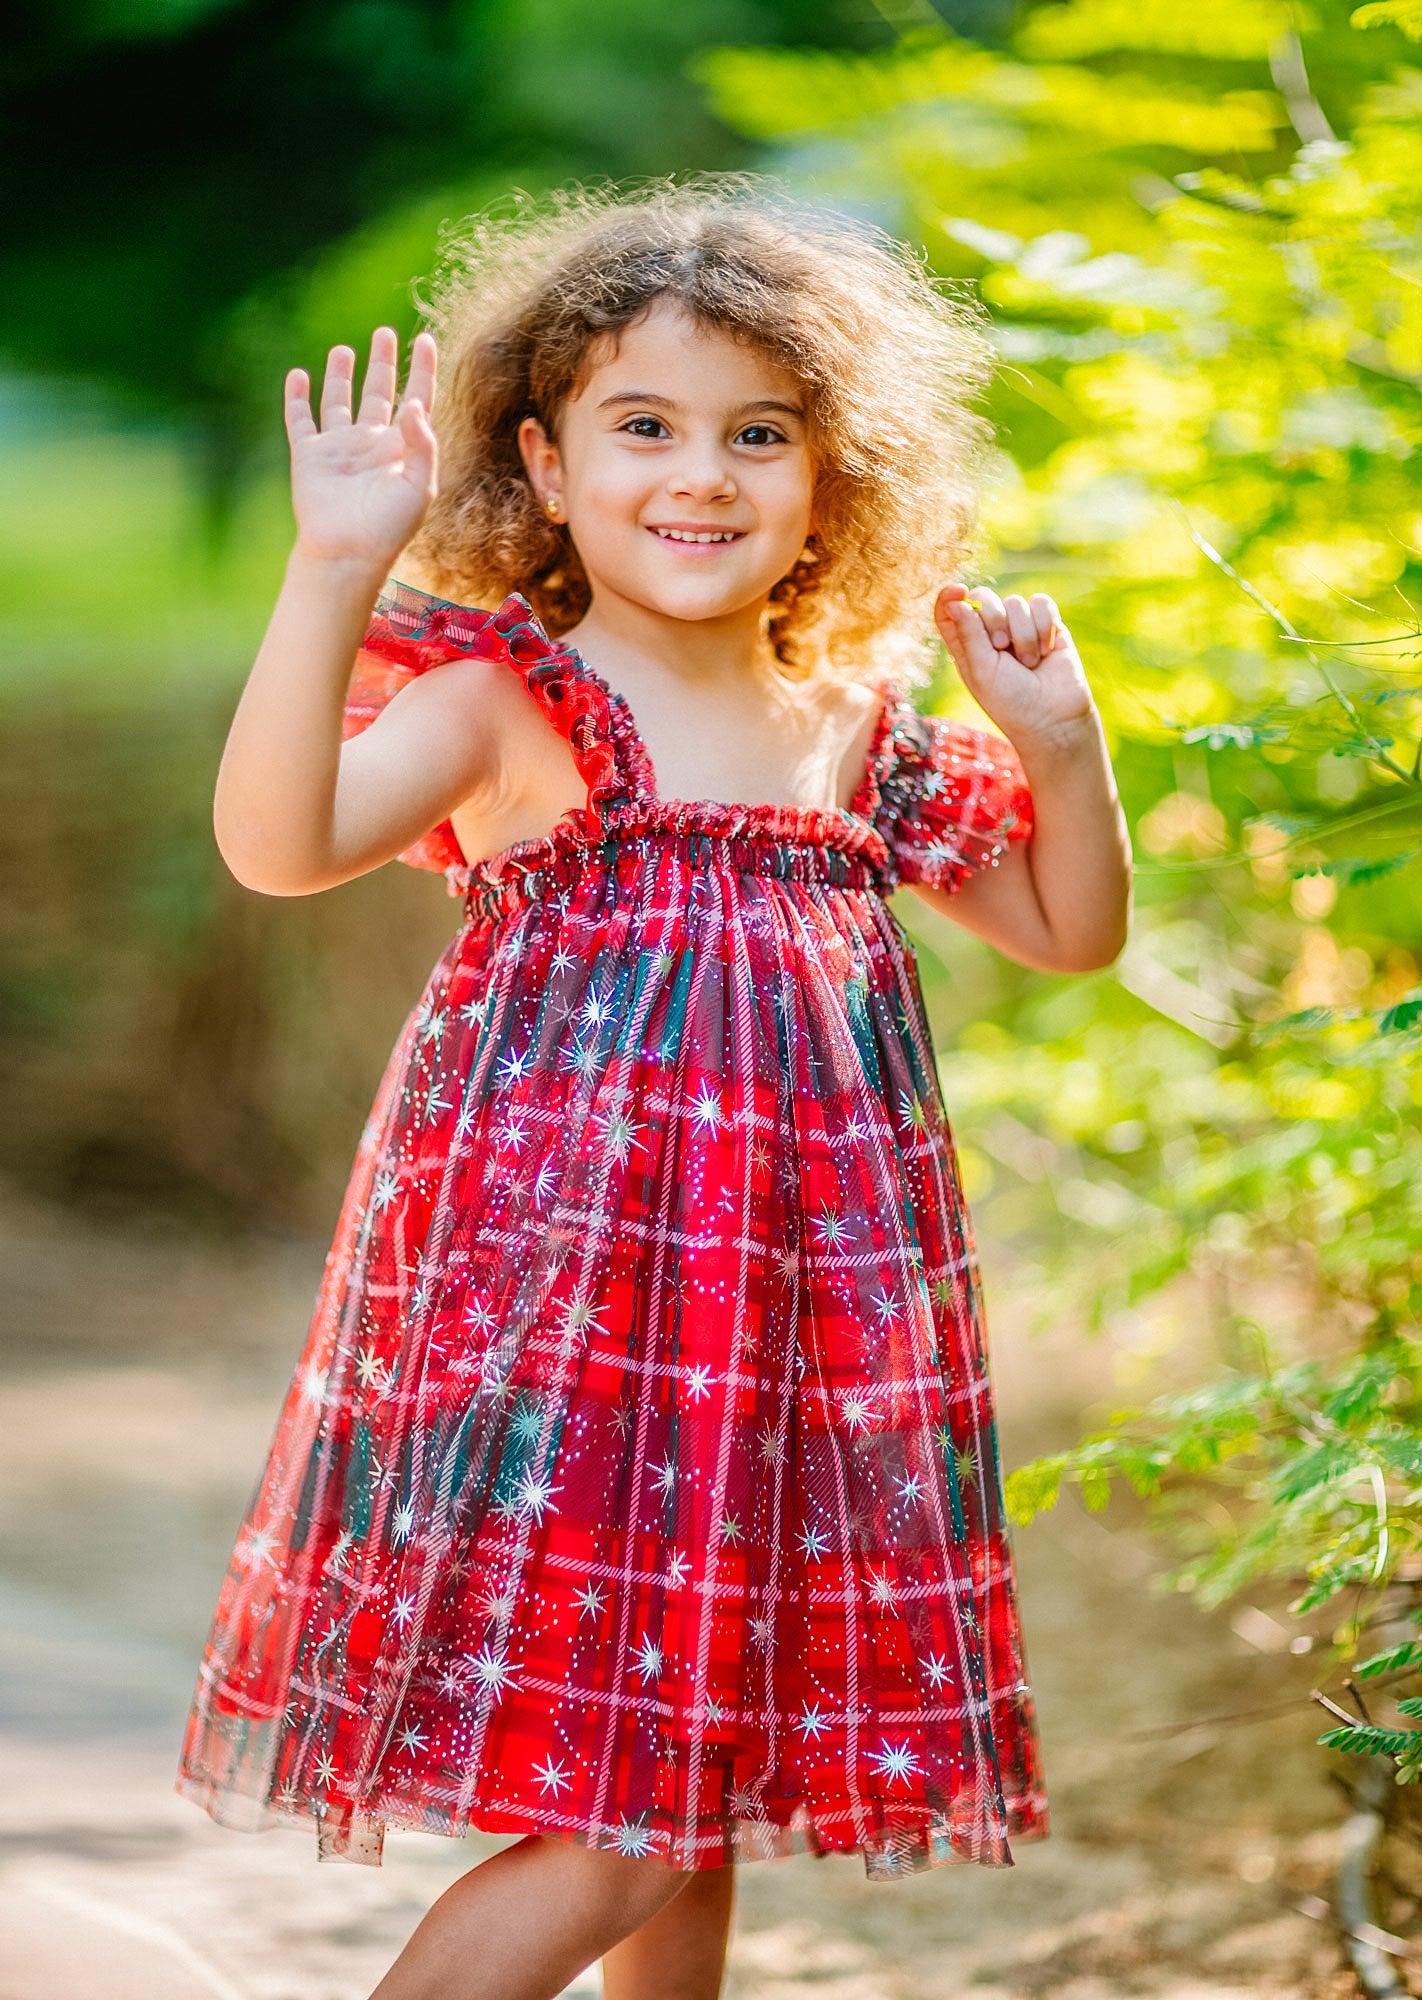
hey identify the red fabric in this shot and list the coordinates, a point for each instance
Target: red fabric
(638, 1484)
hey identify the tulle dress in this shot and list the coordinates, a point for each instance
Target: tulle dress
(638, 1482)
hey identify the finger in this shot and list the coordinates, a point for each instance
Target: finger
(1047, 619)
(300, 423)
(421, 448)
(989, 609)
(336, 388)
(968, 640)
(377, 399)
(1022, 629)
(424, 362)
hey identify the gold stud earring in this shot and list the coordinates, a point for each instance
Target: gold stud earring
(552, 506)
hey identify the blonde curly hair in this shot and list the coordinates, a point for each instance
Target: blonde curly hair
(526, 298)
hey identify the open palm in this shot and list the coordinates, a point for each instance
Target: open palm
(361, 481)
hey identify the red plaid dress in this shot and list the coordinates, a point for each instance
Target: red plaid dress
(638, 1482)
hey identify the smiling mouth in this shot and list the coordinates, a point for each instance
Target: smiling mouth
(699, 537)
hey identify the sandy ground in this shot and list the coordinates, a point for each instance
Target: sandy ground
(142, 1372)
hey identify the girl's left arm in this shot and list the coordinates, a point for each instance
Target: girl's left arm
(1061, 901)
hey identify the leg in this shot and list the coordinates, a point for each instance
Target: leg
(680, 1953)
(526, 1921)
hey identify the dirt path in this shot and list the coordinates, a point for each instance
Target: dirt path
(1183, 1844)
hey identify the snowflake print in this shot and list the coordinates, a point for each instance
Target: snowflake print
(551, 1776)
(882, 1588)
(895, 1761)
(706, 1113)
(313, 1384)
(619, 1135)
(649, 1660)
(834, 1229)
(633, 1838)
(492, 1669)
(260, 1548)
(651, 1324)
(512, 1066)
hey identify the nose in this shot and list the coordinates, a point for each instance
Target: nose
(703, 471)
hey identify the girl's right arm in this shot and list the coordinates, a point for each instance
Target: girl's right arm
(296, 810)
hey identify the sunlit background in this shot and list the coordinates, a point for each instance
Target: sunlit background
(1195, 1177)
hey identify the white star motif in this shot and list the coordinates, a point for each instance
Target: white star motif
(814, 1541)
(936, 1668)
(369, 1367)
(534, 1496)
(812, 1722)
(514, 1134)
(895, 1761)
(492, 1669)
(387, 1187)
(632, 1838)
(649, 1660)
(259, 1549)
(855, 1411)
(412, 1738)
(666, 1473)
(881, 1587)
(677, 1570)
(513, 1065)
(550, 1775)
(325, 1770)
(403, 1609)
(313, 1384)
(591, 1600)
(699, 1382)
(886, 1305)
(834, 1230)
(706, 1111)
(619, 1135)
(404, 1521)
(911, 1489)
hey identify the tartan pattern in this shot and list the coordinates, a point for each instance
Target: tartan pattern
(638, 1482)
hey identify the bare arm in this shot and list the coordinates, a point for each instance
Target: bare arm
(1060, 901)
(295, 809)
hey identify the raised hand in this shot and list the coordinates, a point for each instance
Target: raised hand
(360, 484)
(1017, 661)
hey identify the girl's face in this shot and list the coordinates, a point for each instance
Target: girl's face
(681, 468)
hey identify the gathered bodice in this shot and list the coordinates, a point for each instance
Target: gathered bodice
(932, 795)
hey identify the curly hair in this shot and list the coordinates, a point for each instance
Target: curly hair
(527, 298)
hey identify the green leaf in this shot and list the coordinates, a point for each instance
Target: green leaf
(1395, 1660)
(1360, 1740)
(1404, 14)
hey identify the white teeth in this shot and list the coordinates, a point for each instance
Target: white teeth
(678, 535)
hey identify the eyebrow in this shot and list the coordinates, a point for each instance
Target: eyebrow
(650, 398)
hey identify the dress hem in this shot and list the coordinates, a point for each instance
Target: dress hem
(910, 1846)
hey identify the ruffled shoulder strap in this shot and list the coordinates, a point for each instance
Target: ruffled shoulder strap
(411, 632)
(950, 797)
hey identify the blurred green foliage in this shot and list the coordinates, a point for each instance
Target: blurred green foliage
(1199, 231)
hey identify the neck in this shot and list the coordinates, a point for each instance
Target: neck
(696, 651)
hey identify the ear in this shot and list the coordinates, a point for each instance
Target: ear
(541, 461)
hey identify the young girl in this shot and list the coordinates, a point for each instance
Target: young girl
(637, 1492)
